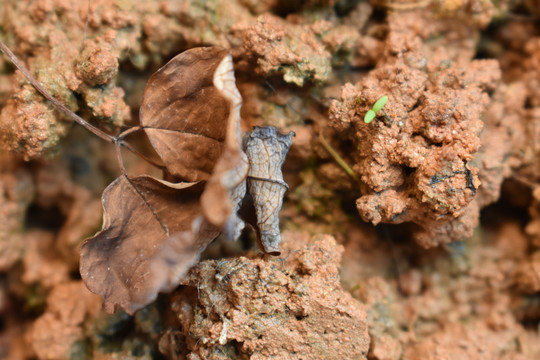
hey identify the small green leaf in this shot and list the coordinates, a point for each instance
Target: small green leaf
(379, 104)
(370, 115)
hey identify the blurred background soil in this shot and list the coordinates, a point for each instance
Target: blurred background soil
(416, 236)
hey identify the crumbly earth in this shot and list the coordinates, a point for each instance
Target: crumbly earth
(415, 161)
(17, 192)
(431, 212)
(291, 306)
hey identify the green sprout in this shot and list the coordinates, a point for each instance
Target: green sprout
(379, 104)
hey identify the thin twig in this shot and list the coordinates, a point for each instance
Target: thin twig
(85, 25)
(19, 65)
(390, 5)
(524, 181)
(338, 158)
(70, 114)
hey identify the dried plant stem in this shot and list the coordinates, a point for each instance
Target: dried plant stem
(86, 25)
(119, 141)
(390, 5)
(337, 157)
(524, 181)
(19, 65)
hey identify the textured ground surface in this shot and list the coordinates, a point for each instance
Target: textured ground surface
(401, 238)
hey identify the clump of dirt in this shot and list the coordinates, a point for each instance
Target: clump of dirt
(277, 50)
(73, 327)
(292, 305)
(416, 161)
(304, 49)
(17, 192)
(476, 341)
(56, 331)
(467, 292)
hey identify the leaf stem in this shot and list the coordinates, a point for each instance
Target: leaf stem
(128, 146)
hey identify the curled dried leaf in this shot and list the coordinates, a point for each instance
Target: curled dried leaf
(226, 188)
(185, 115)
(267, 150)
(120, 263)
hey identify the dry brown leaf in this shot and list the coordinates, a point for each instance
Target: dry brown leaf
(120, 263)
(184, 115)
(267, 149)
(226, 187)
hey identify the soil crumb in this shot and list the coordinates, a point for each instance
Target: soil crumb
(290, 306)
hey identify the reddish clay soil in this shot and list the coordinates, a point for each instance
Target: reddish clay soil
(414, 237)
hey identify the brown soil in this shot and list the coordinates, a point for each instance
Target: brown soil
(416, 236)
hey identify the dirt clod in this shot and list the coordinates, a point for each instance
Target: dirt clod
(290, 306)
